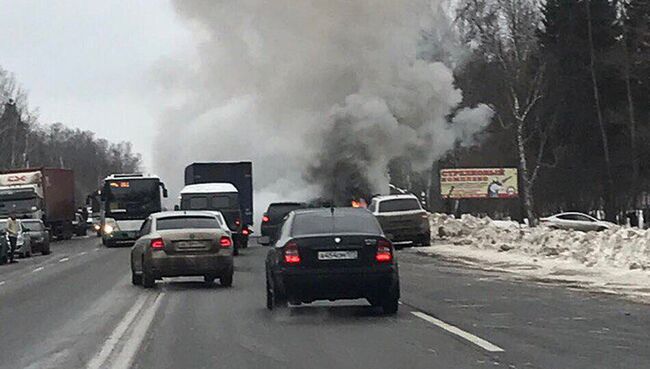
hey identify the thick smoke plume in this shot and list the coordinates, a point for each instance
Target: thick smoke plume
(321, 95)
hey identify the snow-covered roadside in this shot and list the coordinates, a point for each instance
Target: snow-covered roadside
(612, 261)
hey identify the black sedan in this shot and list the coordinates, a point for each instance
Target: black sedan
(331, 254)
(274, 216)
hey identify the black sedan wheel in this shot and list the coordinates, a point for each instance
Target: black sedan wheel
(390, 302)
(136, 279)
(226, 280)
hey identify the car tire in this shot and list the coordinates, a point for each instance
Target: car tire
(269, 295)
(425, 240)
(390, 301)
(136, 279)
(226, 279)
(274, 298)
(45, 249)
(389, 305)
(148, 281)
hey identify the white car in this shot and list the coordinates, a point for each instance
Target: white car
(575, 221)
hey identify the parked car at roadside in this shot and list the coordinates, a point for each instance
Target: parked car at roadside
(402, 219)
(576, 221)
(23, 242)
(39, 235)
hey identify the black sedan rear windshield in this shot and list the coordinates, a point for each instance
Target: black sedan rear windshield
(388, 206)
(277, 212)
(325, 223)
(186, 222)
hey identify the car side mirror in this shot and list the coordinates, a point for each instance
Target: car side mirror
(177, 208)
(264, 241)
(165, 193)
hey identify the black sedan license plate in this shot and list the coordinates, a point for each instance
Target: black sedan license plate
(337, 255)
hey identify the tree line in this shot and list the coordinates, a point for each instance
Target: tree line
(26, 143)
(569, 84)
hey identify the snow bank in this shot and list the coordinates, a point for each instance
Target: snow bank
(622, 248)
(615, 261)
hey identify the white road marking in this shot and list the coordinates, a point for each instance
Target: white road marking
(64, 260)
(2, 282)
(83, 253)
(130, 348)
(485, 345)
(38, 269)
(100, 358)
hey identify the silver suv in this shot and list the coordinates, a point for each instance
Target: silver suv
(403, 219)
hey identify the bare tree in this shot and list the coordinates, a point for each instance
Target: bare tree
(609, 183)
(505, 31)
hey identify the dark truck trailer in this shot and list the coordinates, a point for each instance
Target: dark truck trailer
(240, 174)
(40, 193)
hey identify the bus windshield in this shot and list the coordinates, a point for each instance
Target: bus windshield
(132, 198)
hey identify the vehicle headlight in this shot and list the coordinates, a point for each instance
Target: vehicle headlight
(108, 229)
(97, 227)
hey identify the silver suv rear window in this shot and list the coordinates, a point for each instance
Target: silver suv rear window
(388, 206)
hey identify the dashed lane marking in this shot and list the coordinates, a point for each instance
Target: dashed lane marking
(478, 341)
(64, 260)
(38, 269)
(100, 358)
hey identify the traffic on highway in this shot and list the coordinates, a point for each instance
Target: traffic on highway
(193, 184)
(322, 286)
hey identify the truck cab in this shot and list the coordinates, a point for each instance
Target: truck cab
(222, 197)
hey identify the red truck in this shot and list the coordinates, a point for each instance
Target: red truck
(40, 193)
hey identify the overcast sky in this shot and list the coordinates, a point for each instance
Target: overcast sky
(89, 64)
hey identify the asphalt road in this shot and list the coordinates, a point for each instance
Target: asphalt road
(76, 308)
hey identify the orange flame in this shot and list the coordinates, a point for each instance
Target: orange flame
(361, 203)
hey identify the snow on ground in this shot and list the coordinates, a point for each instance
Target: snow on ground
(613, 261)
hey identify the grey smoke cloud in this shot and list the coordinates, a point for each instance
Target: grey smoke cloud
(296, 86)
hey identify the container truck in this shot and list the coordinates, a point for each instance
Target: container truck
(40, 193)
(213, 176)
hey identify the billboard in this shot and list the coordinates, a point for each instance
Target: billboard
(479, 183)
